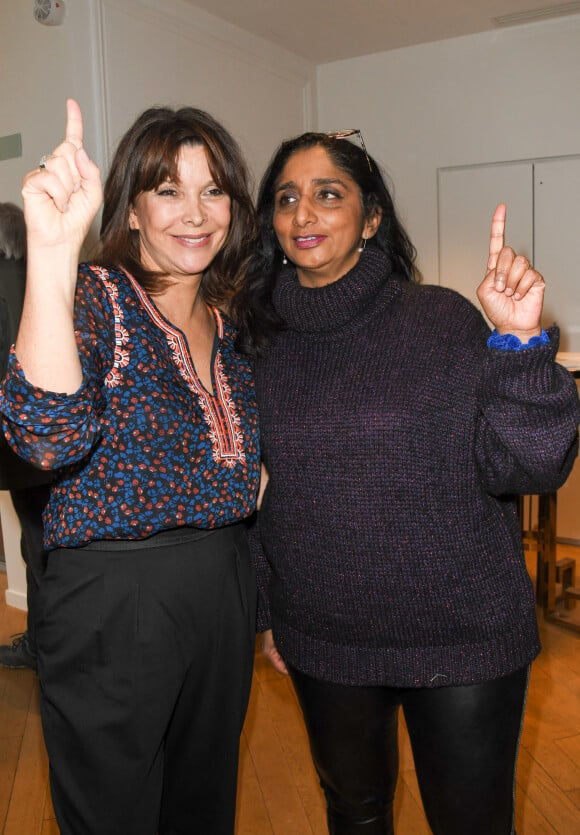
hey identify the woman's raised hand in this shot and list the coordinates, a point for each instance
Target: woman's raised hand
(63, 195)
(512, 292)
(61, 198)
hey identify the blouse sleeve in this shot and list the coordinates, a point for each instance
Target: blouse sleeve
(527, 428)
(51, 429)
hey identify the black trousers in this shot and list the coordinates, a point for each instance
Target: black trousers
(464, 741)
(29, 504)
(145, 664)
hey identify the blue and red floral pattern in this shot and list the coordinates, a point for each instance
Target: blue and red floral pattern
(142, 446)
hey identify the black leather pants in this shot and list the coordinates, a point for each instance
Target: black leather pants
(464, 740)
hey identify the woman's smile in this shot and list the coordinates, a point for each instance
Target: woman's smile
(188, 240)
(309, 241)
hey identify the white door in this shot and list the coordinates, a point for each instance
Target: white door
(557, 244)
(467, 200)
(543, 222)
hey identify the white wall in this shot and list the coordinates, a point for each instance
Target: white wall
(173, 53)
(16, 592)
(40, 66)
(506, 95)
(118, 57)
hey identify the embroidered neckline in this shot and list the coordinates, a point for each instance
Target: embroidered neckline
(218, 409)
(121, 358)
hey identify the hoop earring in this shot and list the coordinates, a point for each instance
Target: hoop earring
(363, 245)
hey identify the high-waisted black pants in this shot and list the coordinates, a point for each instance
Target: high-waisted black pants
(29, 504)
(145, 663)
(464, 741)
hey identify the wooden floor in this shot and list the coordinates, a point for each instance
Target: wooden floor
(278, 790)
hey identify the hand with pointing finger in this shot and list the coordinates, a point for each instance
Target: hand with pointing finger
(63, 194)
(512, 292)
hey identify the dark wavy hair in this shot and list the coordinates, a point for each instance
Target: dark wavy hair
(12, 232)
(146, 157)
(252, 305)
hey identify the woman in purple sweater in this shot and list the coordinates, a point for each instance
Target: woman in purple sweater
(397, 432)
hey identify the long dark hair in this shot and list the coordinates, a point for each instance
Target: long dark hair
(146, 157)
(252, 306)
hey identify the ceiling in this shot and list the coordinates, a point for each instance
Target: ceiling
(330, 30)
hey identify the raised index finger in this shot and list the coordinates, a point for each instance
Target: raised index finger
(74, 124)
(496, 241)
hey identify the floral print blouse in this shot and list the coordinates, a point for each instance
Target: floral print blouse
(142, 446)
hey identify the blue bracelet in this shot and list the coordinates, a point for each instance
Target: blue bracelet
(510, 342)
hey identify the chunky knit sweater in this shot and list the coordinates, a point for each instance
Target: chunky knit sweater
(388, 547)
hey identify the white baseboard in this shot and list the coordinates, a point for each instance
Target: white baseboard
(16, 599)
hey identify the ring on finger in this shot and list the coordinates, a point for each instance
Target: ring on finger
(44, 159)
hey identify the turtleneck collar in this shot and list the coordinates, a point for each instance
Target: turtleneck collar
(321, 310)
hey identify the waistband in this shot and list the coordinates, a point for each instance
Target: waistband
(175, 536)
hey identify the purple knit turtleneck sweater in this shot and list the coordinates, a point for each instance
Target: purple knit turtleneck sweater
(395, 441)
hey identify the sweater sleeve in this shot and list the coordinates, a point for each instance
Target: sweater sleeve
(51, 429)
(527, 428)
